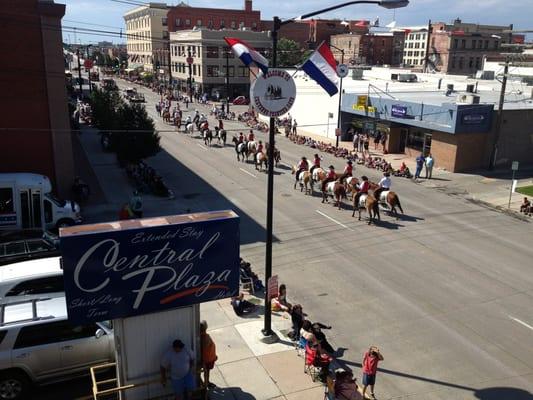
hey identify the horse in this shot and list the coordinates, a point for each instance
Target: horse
(261, 158)
(388, 201)
(240, 149)
(277, 156)
(304, 180)
(336, 190)
(369, 203)
(351, 185)
(220, 135)
(208, 137)
(166, 116)
(252, 146)
(189, 128)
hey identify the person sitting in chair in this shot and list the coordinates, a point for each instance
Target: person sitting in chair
(526, 206)
(345, 386)
(241, 306)
(362, 188)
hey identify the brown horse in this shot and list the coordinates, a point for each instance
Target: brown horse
(389, 200)
(335, 189)
(261, 158)
(304, 180)
(372, 207)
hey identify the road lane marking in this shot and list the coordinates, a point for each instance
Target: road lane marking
(521, 322)
(334, 220)
(246, 172)
(201, 145)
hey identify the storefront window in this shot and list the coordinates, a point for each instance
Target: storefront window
(415, 140)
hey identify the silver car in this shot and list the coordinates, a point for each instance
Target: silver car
(38, 345)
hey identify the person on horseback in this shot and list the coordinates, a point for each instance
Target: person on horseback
(260, 147)
(188, 120)
(303, 165)
(362, 188)
(196, 116)
(384, 184)
(316, 163)
(330, 177)
(348, 170)
(241, 138)
(251, 136)
(220, 124)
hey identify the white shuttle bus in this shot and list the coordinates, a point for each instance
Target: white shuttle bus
(27, 202)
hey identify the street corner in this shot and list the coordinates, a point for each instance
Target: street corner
(230, 345)
(252, 335)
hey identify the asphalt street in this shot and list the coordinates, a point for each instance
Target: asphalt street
(445, 291)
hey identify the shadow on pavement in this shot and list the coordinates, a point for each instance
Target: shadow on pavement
(228, 393)
(500, 393)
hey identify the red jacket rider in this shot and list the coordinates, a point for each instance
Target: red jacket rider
(363, 187)
(316, 162)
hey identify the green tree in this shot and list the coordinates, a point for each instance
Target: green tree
(289, 53)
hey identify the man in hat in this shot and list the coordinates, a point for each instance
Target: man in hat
(316, 163)
(330, 177)
(384, 184)
(179, 362)
(348, 171)
(303, 165)
(362, 188)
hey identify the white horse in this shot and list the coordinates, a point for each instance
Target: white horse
(252, 146)
(189, 128)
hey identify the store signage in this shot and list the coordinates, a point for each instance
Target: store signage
(362, 101)
(127, 268)
(473, 119)
(363, 108)
(272, 287)
(273, 94)
(398, 111)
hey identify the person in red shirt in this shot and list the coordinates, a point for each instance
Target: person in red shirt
(370, 367)
(260, 147)
(330, 177)
(316, 163)
(251, 136)
(241, 138)
(362, 188)
(220, 124)
(303, 165)
(348, 171)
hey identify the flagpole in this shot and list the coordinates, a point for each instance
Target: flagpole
(340, 96)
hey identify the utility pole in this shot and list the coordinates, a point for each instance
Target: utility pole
(79, 72)
(499, 116)
(89, 72)
(190, 74)
(227, 82)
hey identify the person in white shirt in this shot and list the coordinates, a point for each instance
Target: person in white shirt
(384, 184)
(178, 362)
(429, 162)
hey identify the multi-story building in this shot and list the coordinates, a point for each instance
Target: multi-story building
(460, 48)
(367, 49)
(415, 44)
(35, 128)
(147, 36)
(184, 17)
(211, 60)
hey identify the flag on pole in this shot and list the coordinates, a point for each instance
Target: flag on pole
(321, 67)
(247, 54)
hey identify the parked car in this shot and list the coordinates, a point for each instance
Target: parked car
(240, 101)
(27, 245)
(38, 345)
(31, 279)
(137, 98)
(129, 92)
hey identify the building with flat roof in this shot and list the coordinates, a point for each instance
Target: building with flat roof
(457, 125)
(147, 37)
(212, 61)
(363, 48)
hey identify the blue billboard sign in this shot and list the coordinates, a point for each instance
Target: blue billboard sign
(127, 268)
(398, 111)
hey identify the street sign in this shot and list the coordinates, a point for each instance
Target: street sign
(514, 166)
(126, 268)
(272, 287)
(330, 115)
(190, 60)
(273, 94)
(342, 70)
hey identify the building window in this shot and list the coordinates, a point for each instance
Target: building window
(233, 25)
(244, 71)
(461, 62)
(478, 63)
(471, 63)
(228, 53)
(187, 22)
(486, 44)
(211, 52)
(463, 43)
(453, 62)
(164, 21)
(210, 24)
(231, 71)
(178, 22)
(254, 25)
(212, 71)
(198, 22)
(165, 34)
(496, 43)
(222, 24)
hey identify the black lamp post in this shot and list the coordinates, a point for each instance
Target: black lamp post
(340, 96)
(278, 23)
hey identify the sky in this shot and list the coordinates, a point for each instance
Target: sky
(107, 14)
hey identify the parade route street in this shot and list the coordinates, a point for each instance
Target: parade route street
(446, 291)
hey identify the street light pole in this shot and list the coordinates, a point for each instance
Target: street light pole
(190, 75)
(89, 72)
(227, 82)
(277, 24)
(340, 97)
(79, 71)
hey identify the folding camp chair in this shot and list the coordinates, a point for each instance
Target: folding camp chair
(310, 368)
(300, 346)
(247, 283)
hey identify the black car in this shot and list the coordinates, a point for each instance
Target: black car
(27, 245)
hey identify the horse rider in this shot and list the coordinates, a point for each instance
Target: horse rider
(362, 188)
(251, 136)
(241, 138)
(303, 165)
(348, 171)
(260, 147)
(384, 184)
(316, 163)
(220, 124)
(330, 177)
(188, 120)
(196, 116)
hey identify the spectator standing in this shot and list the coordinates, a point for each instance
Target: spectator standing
(366, 144)
(384, 142)
(420, 162)
(294, 126)
(355, 141)
(209, 353)
(370, 367)
(377, 139)
(430, 161)
(179, 361)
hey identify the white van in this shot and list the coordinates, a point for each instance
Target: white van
(27, 202)
(31, 279)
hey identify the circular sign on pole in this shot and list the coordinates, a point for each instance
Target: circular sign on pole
(190, 60)
(88, 64)
(273, 94)
(342, 70)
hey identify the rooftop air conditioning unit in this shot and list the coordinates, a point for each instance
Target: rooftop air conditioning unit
(468, 99)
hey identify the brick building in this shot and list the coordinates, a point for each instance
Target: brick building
(367, 49)
(184, 17)
(35, 127)
(459, 48)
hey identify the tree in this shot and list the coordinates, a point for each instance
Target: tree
(289, 53)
